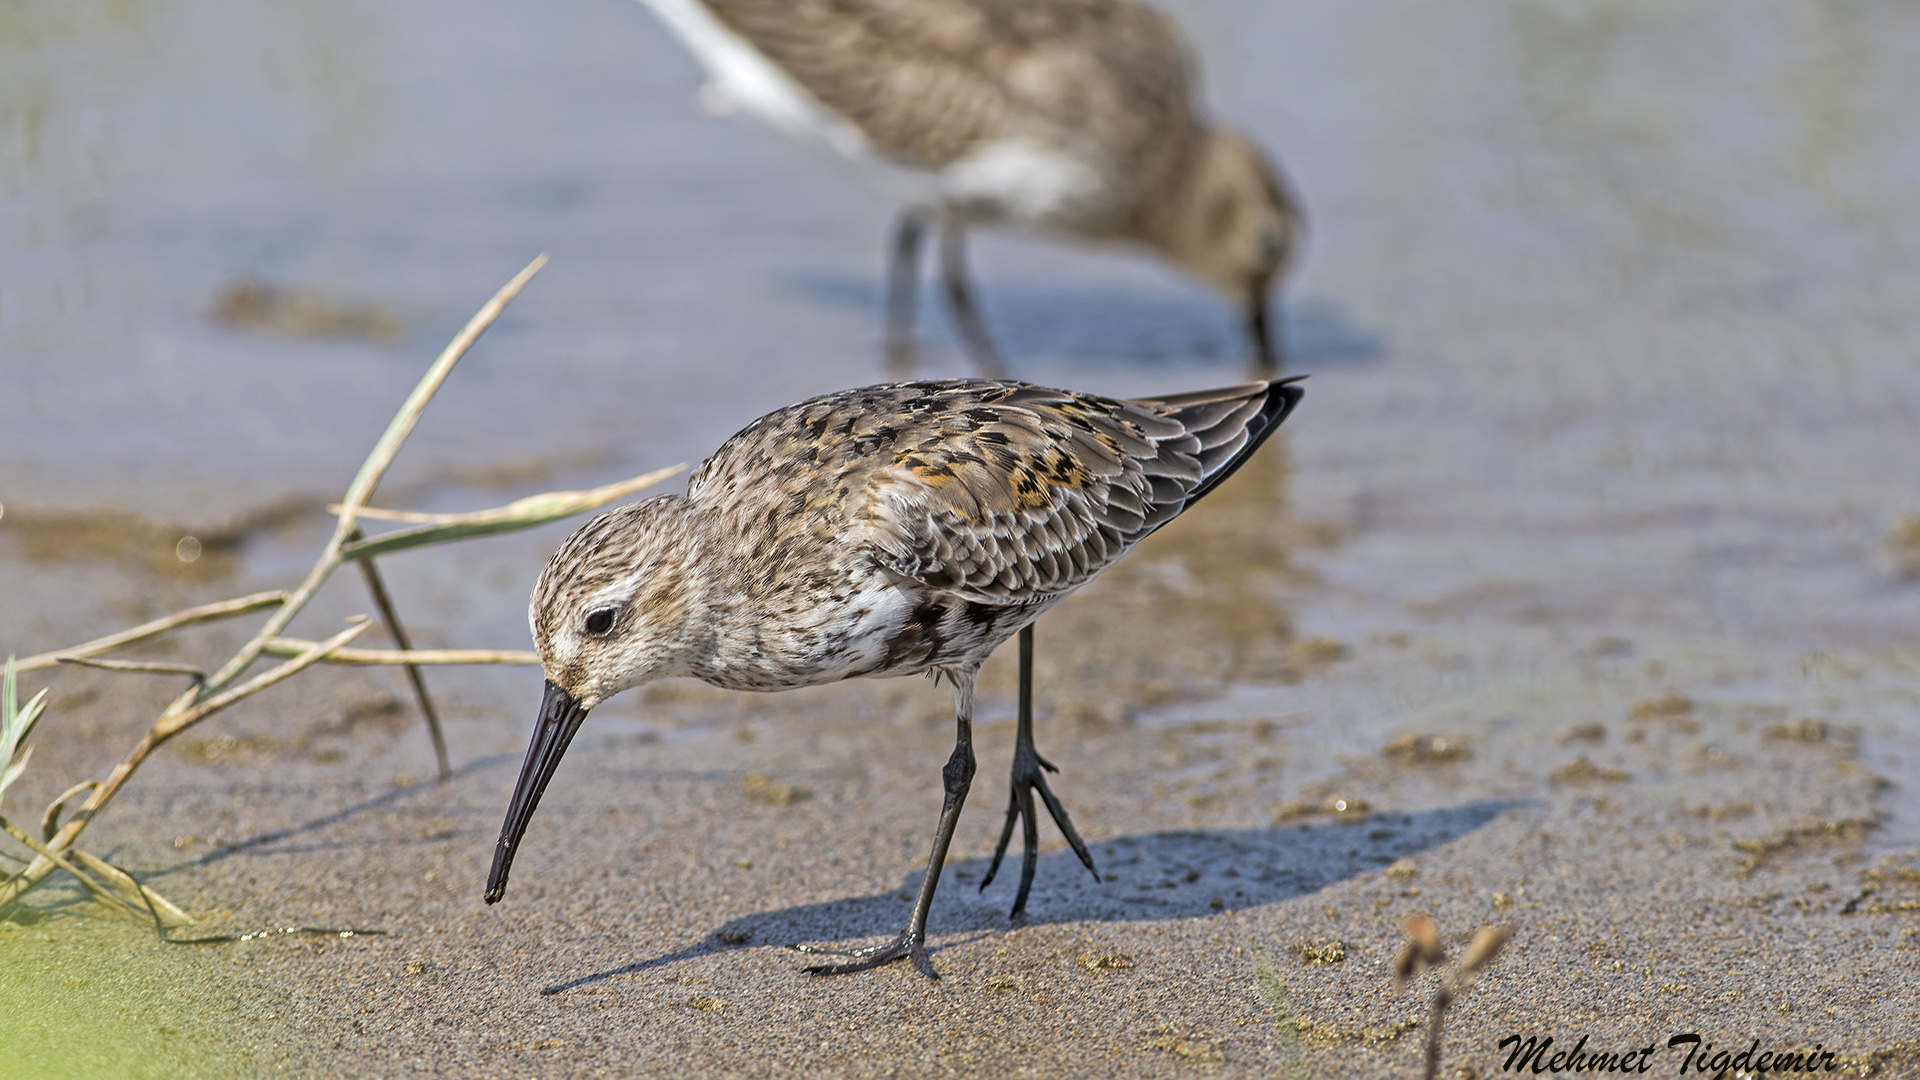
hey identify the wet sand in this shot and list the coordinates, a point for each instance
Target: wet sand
(1576, 578)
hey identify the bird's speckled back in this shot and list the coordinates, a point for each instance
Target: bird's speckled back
(997, 491)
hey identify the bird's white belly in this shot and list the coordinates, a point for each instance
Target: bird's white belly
(824, 640)
(863, 630)
(1025, 181)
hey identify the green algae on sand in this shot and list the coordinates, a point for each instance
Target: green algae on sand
(86, 997)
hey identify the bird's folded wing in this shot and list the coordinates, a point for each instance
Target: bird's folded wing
(1040, 491)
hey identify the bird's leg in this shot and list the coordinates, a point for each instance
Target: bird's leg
(903, 279)
(1028, 778)
(966, 315)
(956, 778)
(1265, 327)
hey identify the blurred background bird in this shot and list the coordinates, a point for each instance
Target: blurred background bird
(1071, 118)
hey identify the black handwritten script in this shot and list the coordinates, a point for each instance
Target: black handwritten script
(1691, 1053)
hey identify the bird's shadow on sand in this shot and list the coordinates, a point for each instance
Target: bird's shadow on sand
(1149, 328)
(1152, 876)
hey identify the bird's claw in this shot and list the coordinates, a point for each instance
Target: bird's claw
(1028, 778)
(906, 945)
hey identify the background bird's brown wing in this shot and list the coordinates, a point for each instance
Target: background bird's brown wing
(926, 81)
(1018, 493)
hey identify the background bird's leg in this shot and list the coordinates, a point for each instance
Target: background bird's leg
(1265, 327)
(1028, 778)
(966, 316)
(956, 778)
(903, 280)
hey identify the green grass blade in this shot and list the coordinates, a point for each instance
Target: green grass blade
(16, 723)
(14, 770)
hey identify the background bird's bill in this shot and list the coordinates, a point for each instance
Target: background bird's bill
(560, 716)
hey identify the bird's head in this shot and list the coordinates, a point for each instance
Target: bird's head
(613, 609)
(1235, 227)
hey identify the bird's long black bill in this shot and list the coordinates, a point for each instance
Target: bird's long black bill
(560, 717)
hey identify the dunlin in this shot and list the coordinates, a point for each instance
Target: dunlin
(891, 530)
(1075, 118)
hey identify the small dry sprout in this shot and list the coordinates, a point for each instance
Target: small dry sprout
(1486, 944)
(1424, 950)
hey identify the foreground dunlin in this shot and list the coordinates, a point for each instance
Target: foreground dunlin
(890, 530)
(1075, 118)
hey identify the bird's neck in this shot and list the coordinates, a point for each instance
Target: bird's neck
(699, 596)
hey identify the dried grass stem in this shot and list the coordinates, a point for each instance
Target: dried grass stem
(225, 687)
(286, 646)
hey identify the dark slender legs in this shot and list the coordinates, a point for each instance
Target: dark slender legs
(966, 316)
(1266, 331)
(1028, 778)
(903, 274)
(956, 778)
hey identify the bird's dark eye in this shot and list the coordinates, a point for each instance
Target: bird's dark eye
(600, 621)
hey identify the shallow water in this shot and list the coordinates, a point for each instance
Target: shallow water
(1609, 312)
(1616, 299)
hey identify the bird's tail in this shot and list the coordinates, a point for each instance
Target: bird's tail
(1230, 423)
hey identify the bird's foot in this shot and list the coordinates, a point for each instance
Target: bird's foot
(1029, 777)
(911, 946)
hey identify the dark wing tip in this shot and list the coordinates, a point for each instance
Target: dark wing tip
(1282, 395)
